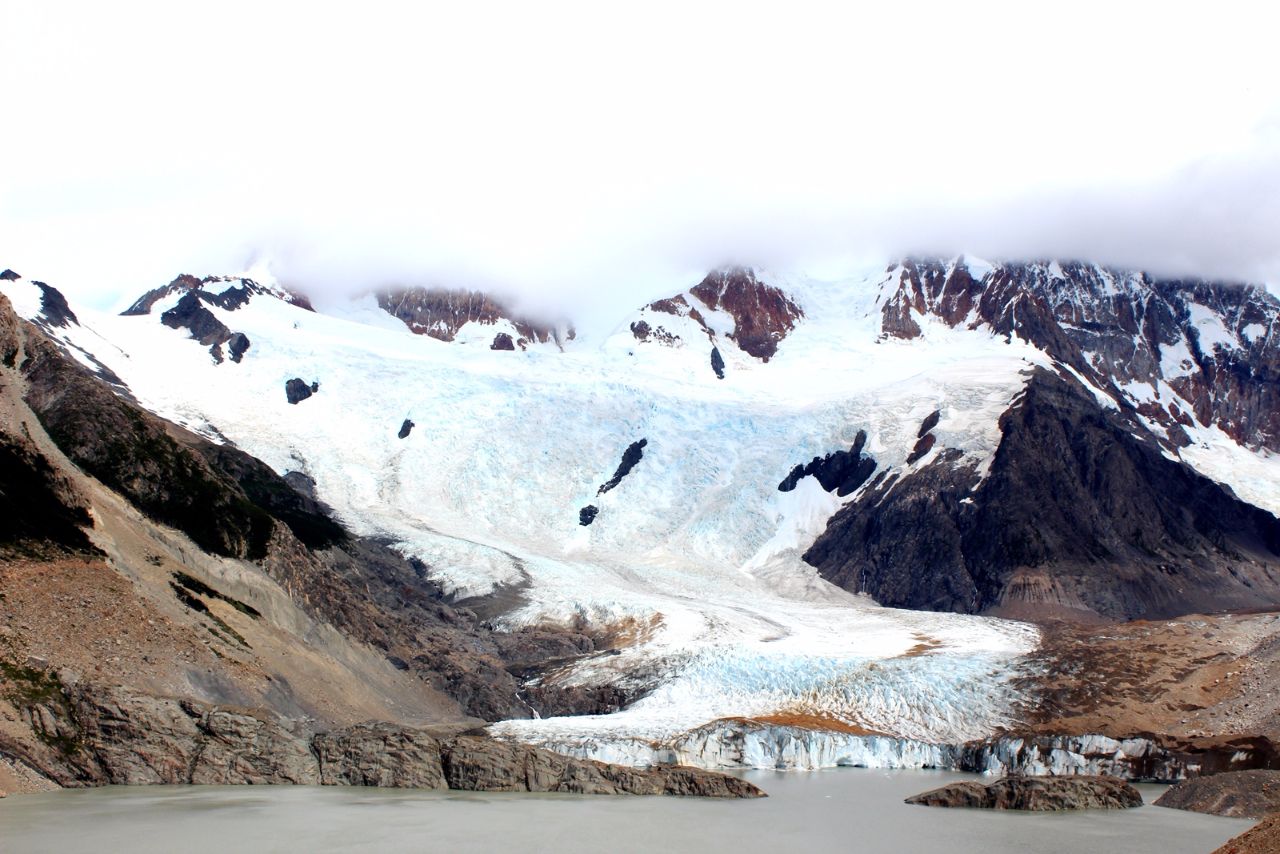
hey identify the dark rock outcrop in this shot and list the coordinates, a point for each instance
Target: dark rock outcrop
(238, 344)
(405, 429)
(717, 362)
(191, 311)
(191, 314)
(502, 341)
(923, 446)
(379, 754)
(841, 471)
(9, 276)
(1237, 794)
(39, 509)
(91, 735)
(587, 515)
(630, 457)
(1080, 509)
(930, 421)
(229, 292)
(54, 308)
(296, 390)
(484, 764)
(135, 453)
(1039, 794)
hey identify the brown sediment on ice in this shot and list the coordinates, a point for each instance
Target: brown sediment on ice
(804, 720)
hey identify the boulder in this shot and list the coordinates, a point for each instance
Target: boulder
(1038, 794)
(717, 362)
(297, 391)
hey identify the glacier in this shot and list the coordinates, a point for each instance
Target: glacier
(696, 545)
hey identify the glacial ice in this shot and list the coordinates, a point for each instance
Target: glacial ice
(696, 544)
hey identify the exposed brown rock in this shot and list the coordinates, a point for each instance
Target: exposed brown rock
(1038, 794)
(440, 313)
(763, 314)
(1237, 794)
(1118, 327)
(923, 446)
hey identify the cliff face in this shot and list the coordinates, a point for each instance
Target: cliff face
(1081, 510)
(1174, 349)
(95, 736)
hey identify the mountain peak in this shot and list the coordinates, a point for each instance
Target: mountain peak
(229, 292)
(442, 313)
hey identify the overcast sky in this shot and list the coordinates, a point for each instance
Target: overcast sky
(596, 153)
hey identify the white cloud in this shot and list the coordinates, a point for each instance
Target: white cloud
(586, 152)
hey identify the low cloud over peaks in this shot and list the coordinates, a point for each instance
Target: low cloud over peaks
(581, 159)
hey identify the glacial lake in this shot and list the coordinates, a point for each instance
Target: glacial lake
(842, 809)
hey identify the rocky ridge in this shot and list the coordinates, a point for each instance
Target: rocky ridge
(732, 303)
(1175, 350)
(441, 313)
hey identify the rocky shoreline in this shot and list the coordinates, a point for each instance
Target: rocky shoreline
(1034, 794)
(88, 736)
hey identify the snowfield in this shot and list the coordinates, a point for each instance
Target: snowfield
(695, 550)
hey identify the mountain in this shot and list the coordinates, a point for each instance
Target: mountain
(446, 314)
(689, 528)
(1087, 504)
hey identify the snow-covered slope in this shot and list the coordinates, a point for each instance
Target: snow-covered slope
(695, 554)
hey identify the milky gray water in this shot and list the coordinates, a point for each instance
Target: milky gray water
(844, 809)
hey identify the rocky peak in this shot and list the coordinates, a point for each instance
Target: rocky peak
(228, 292)
(1182, 352)
(762, 314)
(732, 302)
(440, 313)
